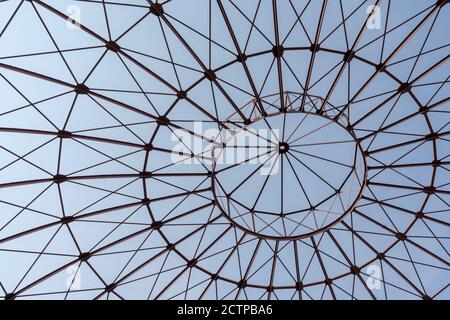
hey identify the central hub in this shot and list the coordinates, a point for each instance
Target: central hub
(289, 175)
(283, 147)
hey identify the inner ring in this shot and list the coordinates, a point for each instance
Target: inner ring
(289, 175)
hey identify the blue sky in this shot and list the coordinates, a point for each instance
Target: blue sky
(131, 88)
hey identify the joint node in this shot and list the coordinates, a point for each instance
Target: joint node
(355, 270)
(10, 296)
(381, 67)
(156, 225)
(404, 88)
(192, 263)
(157, 9)
(423, 110)
(63, 134)
(145, 174)
(59, 178)
(429, 190)
(241, 57)
(436, 163)
(214, 277)
(314, 47)
(441, 3)
(163, 121)
(85, 256)
(110, 287)
(148, 147)
(113, 46)
(349, 55)
(420, 215)
(278, 51)
(67, 219)
(81, 89)
(401, 236)
(431, 136)
(210, 75)
(242, 284)
(181, 94)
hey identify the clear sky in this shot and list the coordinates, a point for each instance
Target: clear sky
(145, 76)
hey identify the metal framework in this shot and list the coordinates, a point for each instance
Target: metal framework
(93, 206)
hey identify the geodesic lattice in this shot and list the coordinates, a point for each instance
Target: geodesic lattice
(98, 200)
